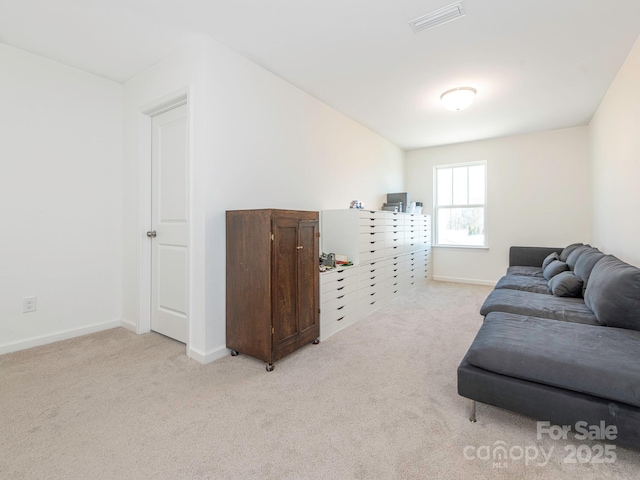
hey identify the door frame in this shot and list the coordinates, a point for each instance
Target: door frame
(146, 114)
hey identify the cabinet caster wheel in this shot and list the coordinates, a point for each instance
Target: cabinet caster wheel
(316, 341)
(270, 367)
(234, 353)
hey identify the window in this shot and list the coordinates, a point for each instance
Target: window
(460, 205)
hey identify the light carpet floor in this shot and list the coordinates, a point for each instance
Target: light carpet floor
(378, 400)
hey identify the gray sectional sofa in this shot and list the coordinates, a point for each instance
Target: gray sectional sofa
(560, 341)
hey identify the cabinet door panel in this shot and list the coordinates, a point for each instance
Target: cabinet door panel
(284, 306)
(307, 275)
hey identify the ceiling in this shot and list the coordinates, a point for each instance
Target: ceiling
(537, 64)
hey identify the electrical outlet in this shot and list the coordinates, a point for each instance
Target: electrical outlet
(29, 304)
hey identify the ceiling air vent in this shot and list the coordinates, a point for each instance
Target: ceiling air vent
(440, 16)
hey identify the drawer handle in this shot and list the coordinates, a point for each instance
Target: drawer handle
(340, 308)
(372, 303)
(340, 271)
(372, 233)
(340, 279)
(372, 243)
(372, 278)
(341, 296)
(372, 251)
(340, 318)
(372, 294)
(341, 288)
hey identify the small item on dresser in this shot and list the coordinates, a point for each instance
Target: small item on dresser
(341, 259)
(392, 207)
(402, 198)
(328, 260)
(356, 204)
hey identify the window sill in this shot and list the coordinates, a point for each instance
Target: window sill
(465, 247)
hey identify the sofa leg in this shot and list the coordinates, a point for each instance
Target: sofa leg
(472, 416)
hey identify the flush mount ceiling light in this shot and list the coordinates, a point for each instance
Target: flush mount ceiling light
(458, 98)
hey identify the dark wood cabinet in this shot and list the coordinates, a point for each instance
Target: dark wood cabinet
(272, 282)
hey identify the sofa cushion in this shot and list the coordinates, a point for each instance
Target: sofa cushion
(568, 249)
(526, 271)
(582, 358)
(550, 258)
(584, 265)
(613, 293)
(538, 305)
(525, 283)
(554, 268)
(575, 255)
(566, 284)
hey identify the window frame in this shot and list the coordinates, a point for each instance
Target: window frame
(437, 207)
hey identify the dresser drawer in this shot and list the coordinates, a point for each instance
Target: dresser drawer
(392, 285)
(339, 290)
(371, 304)
(371, 220)
(371, 228)
(332, 313)
(372, 236)
(330, 327)
(372, 290)
(342, 303)
(391, 218)
(371, 255)
(338, 274)
(372, 269)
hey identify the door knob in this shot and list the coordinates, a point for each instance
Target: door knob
(151, 234)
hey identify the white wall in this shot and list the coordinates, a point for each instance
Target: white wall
(259, 143)
(615, 157)
(275, 146)
(60, 195)
(538, 194)
(182, 72)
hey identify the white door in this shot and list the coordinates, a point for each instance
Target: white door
(170, 224)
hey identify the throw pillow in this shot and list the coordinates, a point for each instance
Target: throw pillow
(550, 258)
(584, 265)
(575, 254)
(568, 249)
(554, 268)
(566, 284)
(613, 293)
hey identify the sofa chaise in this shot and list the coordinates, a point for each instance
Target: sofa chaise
(560, 341)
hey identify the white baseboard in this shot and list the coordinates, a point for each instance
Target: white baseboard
(209, 356)
(473, 281)
(56, 337)
(129, 325)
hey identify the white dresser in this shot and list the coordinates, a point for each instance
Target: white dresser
(391, 253)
